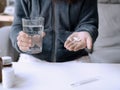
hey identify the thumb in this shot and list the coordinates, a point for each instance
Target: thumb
(89, 43)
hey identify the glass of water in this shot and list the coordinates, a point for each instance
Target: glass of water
(34, 28)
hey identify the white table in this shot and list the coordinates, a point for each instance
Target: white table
(60, 76)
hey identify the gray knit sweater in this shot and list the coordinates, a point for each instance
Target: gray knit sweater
(61, 19)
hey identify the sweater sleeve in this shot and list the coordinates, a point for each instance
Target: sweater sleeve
(17, 23)
(88, 20)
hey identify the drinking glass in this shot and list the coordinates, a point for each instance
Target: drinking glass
(34, 27)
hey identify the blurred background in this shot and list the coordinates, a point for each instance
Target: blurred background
(6, 19)
(6, 12)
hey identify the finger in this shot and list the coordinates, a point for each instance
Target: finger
(80, 45)
(67, 42)
(21, 47)
(26, 39)
(24, 49)
(23, 44)
(70, 38)
(21, 33)
(77, 47)
(71, 47)
(36, 38)
(89, 43)
(22, 36)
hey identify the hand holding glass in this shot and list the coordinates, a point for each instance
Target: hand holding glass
(34, 28)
